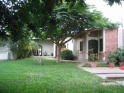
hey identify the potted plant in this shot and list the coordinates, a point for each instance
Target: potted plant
(112, 58)
(121, 57)
(93, 58)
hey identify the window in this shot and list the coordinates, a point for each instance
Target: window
(101, 44)
(81, 45)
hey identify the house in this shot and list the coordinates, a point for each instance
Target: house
(45, 48)
(101, 41)
(48, 48)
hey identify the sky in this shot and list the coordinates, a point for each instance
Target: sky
(115, 13)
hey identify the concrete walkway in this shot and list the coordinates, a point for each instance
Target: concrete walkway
(105, 72)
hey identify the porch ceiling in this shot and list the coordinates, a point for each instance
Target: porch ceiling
(92, 30)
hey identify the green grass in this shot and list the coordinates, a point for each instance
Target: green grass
(24, 76)
(98, 65)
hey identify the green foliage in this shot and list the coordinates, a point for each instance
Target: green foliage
(112, 57)
(101, 22)
(67, 55)
(111, 2)
(4, 13)
(120, 54)
(93, 57)
(20, 49)
(80, 5)
(110, 25)
(34, 45)
(12, 21)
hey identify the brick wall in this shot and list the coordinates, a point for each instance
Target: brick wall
(111, 40)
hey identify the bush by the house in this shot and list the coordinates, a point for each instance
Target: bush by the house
(20, 49)
(67, 55)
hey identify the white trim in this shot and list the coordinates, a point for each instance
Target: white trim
(87, 33)
(93, 38)
(104, 42)
(120, 37)
(75, 47)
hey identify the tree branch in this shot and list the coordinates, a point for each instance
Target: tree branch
(53, 40)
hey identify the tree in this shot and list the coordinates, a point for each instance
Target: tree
(45, 18)
(63, 24)
(111, 2)
(4, 12)
(11, 11)
(12, 23)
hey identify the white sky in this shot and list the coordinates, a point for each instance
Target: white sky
(114, 13)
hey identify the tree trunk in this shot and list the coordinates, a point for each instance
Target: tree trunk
(58, 53)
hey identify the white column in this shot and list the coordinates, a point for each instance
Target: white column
(120, 38)
(87, 33)
(103, 42)
(75, 47)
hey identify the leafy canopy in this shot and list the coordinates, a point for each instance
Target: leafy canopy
(18, 18)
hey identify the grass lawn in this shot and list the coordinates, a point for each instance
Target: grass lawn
(23, 76)
(98, 65)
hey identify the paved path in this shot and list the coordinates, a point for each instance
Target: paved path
(104, 72)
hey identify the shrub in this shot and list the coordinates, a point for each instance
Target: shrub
(120, 57)
(93, 57)
(112, 57)
(120, 54)
(67, 55)
(20, 49)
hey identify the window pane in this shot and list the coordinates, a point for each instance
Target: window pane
(81, 45)
(101, 44)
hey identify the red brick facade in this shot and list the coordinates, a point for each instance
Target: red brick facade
(111, 40)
